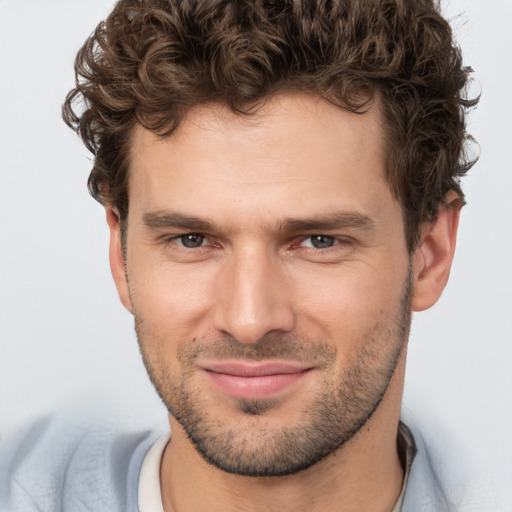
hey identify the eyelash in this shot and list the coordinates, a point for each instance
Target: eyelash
(330, 238)
(178, 240)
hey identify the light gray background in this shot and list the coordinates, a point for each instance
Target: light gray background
(64, 337)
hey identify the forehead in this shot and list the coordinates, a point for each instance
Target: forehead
(295, 149)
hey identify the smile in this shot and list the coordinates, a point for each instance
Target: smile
(253, 381)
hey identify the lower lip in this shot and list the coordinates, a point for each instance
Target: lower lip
(254, 388)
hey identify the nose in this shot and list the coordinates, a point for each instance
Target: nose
(253, 298)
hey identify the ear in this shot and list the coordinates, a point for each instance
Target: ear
(433, 257)
(117, 262)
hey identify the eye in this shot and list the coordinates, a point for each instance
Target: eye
(191, 240)
(319, 241)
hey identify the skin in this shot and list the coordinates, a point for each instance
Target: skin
(256, 283)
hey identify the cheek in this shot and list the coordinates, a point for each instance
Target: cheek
(173, 302)
(169, 314)
(349, 301)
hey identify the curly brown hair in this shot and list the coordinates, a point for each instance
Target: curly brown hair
(151, 61)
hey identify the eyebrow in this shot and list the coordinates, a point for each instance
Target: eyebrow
(168, 219)
(329, 222)
(164, 219)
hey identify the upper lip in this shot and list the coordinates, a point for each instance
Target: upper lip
(254, 369)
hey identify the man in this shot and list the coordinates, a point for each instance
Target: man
(281, 184)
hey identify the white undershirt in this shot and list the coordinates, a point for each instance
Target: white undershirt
(150, 495)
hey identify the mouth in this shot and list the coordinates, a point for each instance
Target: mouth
(254, 380)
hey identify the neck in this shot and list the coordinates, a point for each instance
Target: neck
(364, 474)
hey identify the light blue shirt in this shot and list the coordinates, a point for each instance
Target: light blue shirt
(71, 466)
(56, 466)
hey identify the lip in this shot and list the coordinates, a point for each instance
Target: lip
(254, 381)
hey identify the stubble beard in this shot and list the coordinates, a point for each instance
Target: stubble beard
(249, 446)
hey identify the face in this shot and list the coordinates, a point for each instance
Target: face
(269, 278)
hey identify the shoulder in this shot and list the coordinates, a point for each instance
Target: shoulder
(447, 477)
(433, 483)
(60, 463)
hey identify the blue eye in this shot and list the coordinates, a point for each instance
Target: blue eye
(320, 241)
(192, 240)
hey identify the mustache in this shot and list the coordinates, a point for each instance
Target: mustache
(290, 348)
